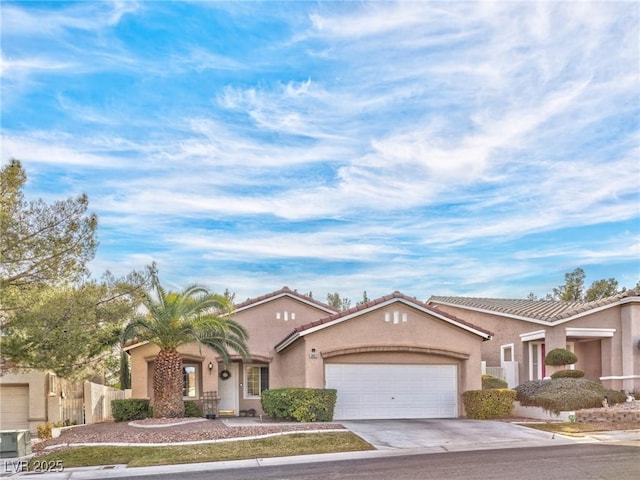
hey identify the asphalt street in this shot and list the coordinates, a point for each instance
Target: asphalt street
(579, 462)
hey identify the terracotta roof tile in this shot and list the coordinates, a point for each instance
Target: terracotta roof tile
(384, 299)
(284, 290)
(546, 310)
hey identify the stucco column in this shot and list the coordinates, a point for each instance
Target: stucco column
(314, 370)
(630, 352)
(209, 377)
(554, 338)
(606, 345)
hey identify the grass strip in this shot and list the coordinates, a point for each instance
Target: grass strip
(568, 428)
(278, 446)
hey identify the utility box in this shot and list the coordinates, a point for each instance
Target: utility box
(15, 443)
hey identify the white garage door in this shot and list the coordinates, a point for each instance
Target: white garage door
(393, 391)
(14, 407)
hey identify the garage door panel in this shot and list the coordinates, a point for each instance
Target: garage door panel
(393, 391)
(14, 407)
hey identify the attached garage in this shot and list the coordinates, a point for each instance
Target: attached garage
(14, 407)
(393, 391)
(394, 357)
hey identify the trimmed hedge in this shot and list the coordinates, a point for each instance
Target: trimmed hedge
(568, 374)
(490, 382)
(560, 356)
(491, 403)
(566, 394)
(129, 409)
(301, 404)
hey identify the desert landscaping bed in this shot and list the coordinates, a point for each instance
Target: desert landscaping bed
(171, 431)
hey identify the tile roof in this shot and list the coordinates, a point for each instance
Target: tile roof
(378, 301)
(285, 291)
(546, 310)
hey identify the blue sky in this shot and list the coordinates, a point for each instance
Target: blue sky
(436, 148)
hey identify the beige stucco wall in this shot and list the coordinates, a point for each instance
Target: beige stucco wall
(423, 339)
(505, 331)
(265, 330)
(604, 359)
(630, 347)
(142, 358)
(36, 380)
(589, 355)
(44, 405)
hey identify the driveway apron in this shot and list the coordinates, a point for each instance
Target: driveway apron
(445, 433)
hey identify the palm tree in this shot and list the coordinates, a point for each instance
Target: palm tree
(174, 319)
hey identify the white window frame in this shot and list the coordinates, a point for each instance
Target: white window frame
(196, 386)
(503, 348)
(539, 361)
(246, 380)
(51, 384)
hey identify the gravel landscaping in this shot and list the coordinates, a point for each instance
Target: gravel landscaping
(172, 430)
(197, 429)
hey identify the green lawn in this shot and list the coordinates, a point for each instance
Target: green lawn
(279, 446)
(571, 429)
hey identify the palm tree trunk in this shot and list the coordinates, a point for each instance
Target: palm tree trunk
(167, 385)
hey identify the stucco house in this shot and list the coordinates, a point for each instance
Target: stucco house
(29, 398)
(604, 335)
(394, 357)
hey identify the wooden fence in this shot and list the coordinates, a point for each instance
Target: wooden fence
(92, 404)
(97, 402)
(72, 411)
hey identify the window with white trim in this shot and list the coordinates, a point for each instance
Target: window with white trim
(256, 380)
(536, 361)
(189, 381)
(506, 353)
(52, 384)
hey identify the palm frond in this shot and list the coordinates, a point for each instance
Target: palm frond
(191, 315)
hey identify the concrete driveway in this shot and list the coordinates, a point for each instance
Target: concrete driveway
(450, 434)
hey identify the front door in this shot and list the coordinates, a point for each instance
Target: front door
(228, 390)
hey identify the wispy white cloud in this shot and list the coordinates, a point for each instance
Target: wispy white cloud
(421, 146)
(59, 19)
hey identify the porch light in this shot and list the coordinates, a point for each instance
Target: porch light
(313, 353)
(210, 367)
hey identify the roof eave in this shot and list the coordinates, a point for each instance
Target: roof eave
(287, 341)
(486, 335)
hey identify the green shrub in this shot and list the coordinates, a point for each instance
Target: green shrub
(569, 400)
(191, 409)
(560, 356)
(301, 404)
(491, 403)
(527, 391)
(129, 409)
(615, 396)
(44, 430)
(568, 374)
(489, 382)
(565, 394)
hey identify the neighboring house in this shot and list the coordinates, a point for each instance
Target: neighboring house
(605, 335)
(32, 397)
(394, 357)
